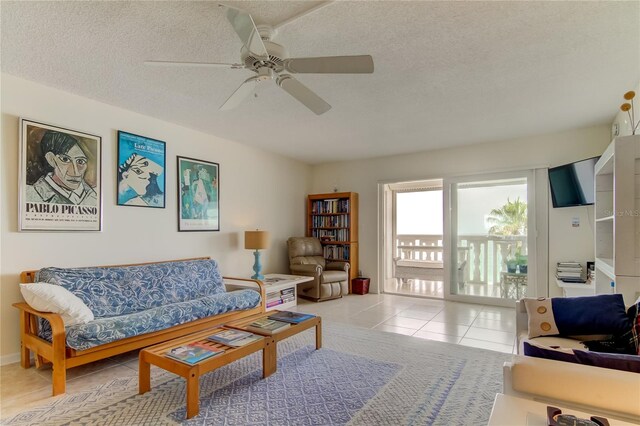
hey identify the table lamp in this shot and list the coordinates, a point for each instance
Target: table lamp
(256, 240)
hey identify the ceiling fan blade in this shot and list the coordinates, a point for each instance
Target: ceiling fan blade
(245, 90)
(361, 64)
(193, 64)
(303, 94)
(244, 26)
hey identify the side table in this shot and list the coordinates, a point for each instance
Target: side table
(281, 289)
(513, 285)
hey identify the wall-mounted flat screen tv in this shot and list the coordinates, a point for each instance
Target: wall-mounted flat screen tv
(573, 184)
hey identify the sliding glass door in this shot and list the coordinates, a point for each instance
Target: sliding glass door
(492, 258)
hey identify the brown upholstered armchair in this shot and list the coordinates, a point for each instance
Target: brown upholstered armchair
(331, 279)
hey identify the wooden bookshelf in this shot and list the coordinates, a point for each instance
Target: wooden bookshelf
(333, 219)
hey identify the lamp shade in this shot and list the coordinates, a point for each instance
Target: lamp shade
(256, 240)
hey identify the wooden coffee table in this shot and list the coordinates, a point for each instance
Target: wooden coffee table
(156, 355)
(280, 335)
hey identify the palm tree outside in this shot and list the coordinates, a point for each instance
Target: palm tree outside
(510, 219)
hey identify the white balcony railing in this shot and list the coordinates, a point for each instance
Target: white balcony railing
(486, 255)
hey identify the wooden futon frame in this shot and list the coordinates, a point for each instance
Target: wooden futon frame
(63, 357)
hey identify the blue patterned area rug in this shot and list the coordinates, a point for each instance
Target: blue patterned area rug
(311, 387)
(360, 377)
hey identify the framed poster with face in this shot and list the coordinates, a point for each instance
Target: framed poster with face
(60, 179)
(198, 195)
(141, 171)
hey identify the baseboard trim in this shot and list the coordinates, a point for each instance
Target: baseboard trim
(10, 358)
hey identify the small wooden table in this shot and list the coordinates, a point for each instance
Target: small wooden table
(280, 335)
(274, 285)
(156, 355)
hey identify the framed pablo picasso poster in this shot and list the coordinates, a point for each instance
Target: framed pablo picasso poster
(198, 195)
(141, 171)
(60, 179)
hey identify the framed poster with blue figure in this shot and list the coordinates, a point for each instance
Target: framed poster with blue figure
(141, 171)
(198, 195)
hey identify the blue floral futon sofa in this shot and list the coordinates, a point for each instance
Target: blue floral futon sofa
(133, 306)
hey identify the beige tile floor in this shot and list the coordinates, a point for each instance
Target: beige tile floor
(465, 324)
(487, 327)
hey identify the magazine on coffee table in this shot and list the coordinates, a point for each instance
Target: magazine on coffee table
(290, 317)
(226, 336)
(267, 326)
(192, 353)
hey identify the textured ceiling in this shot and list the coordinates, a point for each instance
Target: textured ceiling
(446, 73)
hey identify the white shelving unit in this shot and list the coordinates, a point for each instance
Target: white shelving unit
(576, 289)
(617, 221)
(274, 285)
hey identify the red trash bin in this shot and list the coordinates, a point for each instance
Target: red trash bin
(360, 285)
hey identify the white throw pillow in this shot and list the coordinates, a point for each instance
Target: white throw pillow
(47, 297)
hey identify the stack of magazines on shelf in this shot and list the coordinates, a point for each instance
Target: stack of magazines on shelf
(193, 353)
(280, 297)
(570, 272)
(234, 338)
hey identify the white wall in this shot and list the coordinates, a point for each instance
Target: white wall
(257, 189)
(565, 242)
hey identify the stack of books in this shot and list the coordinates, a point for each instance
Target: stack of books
(290, 317)
(570, 272)
(267, 326)
(280, 297)
(234, 338)
(192, 353)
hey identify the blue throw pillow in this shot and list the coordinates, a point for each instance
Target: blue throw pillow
(622, 343)
(577, 316)
(548, 352)
(604, 360)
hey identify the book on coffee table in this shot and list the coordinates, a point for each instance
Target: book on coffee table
(290, 317)
(244, 341)
(267, 326)
(234, 338)
(192, 353)
(227, 336)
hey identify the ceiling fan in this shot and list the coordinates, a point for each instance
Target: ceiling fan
(270, 61)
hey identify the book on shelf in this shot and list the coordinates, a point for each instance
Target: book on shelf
(192, 353)
(267, 326)
(569, 269)
(287, 291)
(570, 263)
(274, 303)
(574, 280)
(290, 317)
(568, 274)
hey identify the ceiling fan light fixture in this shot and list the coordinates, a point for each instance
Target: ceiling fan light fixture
(268, 60)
